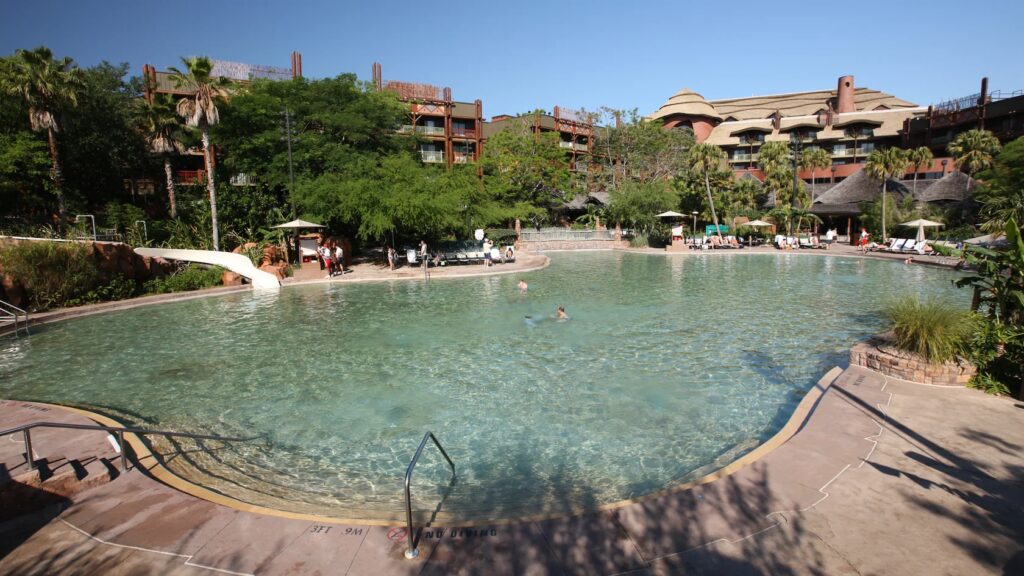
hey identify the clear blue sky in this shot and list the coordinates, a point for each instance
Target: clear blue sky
(517, 56)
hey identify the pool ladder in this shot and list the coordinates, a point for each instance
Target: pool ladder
(26, 431)
(11, 313)
(412, 551)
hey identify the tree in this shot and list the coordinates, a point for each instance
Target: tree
(635, 204)
(919, 158)
(641, 150)
(48, 87)
(974, 150)
(199, 109)
(159, 122)
(774, 161)
(883, 165)
(526, 172)
(1002, 195)
(705, 158)
(814, 159)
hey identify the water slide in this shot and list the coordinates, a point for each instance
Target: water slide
(237, 263)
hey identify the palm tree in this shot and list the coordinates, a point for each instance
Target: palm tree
(159, 122)
(200, 110)
(705, 158)
(772, 159)
(48, 86)
(813, 159)
(975, 150)
(883, 165)
(919, 157)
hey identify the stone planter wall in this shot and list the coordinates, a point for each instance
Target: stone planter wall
(878, 354)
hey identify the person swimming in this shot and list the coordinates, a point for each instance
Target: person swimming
(560, 314)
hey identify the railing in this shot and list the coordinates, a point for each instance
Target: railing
(852, 152)
(564, 144)
(26, 429)
(431, 130)
(578, 146)
(8, 310)
(412, 552)
(460, 158)
(565, 235)
(463, 132)
(190, 176)
(431, 156)
(744, 157)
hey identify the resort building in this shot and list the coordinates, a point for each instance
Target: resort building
(1001, 113)
(848, 122)
(448, 131)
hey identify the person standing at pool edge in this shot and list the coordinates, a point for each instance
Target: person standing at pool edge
(423, 252)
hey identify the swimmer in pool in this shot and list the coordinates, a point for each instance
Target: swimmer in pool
(560, 314)
(522, 287)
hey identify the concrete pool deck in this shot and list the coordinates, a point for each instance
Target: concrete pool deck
(880, 477)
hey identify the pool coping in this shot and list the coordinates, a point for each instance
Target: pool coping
(156, 470)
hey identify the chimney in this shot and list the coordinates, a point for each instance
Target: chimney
(983, 97)
(844, 95)
(296, 64)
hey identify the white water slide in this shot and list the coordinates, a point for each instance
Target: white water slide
(237, 263)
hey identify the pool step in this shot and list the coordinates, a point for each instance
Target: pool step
(54, 483)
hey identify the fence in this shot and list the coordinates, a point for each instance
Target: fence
(566, 235)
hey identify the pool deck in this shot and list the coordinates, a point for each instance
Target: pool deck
(880, 476)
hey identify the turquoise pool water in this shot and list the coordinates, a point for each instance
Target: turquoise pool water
(669, 367)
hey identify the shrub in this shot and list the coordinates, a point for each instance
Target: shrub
(255, 253)
(933, 329)
(988, 384)
(192, 277)
(119, 287)
(53, 273)
(639, 240)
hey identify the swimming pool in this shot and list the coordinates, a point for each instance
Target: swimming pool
(669, 368)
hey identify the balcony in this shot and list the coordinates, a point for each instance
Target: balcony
(850, 152)
(463, 132)
(744, 157)
(187, 177)
(462, 158)
(430, 130)
(432, 156)
(564, 144)
(580, 147)
(243, 179)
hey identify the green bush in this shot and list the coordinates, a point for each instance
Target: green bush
(119, 287)
(53, 273)
(988, 384)
(933, 329)
(639, 240)
(192, 277)
(255, 254)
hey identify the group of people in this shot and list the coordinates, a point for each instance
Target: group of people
(331, 256)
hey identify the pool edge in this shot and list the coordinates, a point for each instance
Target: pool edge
(157, 471)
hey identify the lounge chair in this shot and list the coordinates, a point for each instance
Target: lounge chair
(804, 242)
(908, 247)
(894, 245)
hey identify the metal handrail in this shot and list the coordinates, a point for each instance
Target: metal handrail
(25, 429)
(412, 552)
(13, 311)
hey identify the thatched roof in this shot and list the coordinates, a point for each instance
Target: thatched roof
(950, 188)
(861, 188)
(803, 103)
(580, 202)
(688, 103)
(836, 209)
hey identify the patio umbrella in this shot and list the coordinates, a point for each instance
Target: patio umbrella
(295, 225)
(920, 224)
(756, 223)
(299, 224)
(670, 214)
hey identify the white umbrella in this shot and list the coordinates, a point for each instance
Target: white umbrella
(756, 223)
(670, 214)
(920, 224)
(299, 224)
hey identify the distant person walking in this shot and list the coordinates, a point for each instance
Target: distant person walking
(391, 258)
(863, 246)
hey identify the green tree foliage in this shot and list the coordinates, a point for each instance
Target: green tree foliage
(814, 159)
(47, 87)
(919, 157)
(24, 164)
(635, 204)
(883, 165)
(53, 273)
(775, 161)
(641, 150)
(162, 128)
(974, 151)
(1002, 195)
(527, 174)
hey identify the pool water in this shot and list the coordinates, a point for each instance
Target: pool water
(669, 368)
